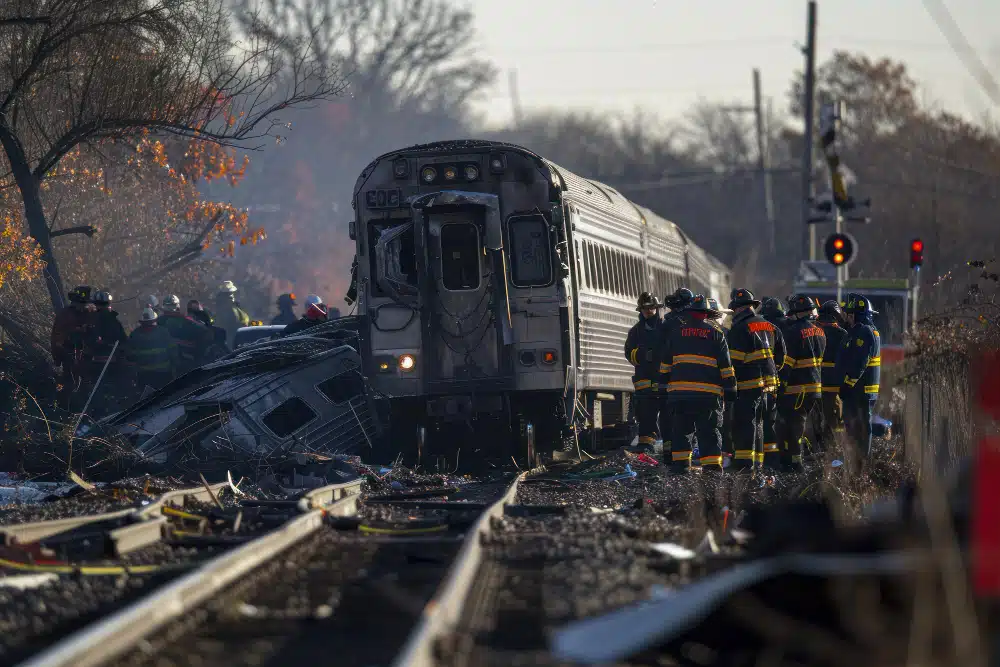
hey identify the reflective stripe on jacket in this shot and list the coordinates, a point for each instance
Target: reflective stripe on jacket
(805, 345)
(695, 360)
(752, 342)
(152, 349)
(859, 364)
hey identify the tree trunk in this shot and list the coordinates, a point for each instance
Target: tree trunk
(34, 213)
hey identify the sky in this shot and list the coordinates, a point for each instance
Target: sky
(666, 55)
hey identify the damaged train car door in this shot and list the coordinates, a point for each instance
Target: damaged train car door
(463, 287)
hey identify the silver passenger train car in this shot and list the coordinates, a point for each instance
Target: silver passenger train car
(495, 292)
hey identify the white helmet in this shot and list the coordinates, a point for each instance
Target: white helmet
(171, 303)
(227, 287)
(148, 315)
(102, 297)
(152, 301)
(313, 299)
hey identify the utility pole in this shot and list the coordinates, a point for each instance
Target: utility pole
(807, 151)
(515, 98)
(763, 160)
(763, 168)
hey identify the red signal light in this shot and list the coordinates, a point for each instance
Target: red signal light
(917, 246)
(838, 244)
(916, 254)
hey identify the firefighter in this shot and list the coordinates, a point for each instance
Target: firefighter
(192, 337)
(677, 302)
(286, 314)
(68, 342)
(315, 314)
(104, 331)
(153, 303)
(831, 319)
(800, 398)
(229, 315)
(752, 341)
(774, 312)
(152, 352)
(859, 369)
(217, 348)
(700, 377)
(641, 347)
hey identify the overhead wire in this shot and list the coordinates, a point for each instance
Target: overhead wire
(963, 49)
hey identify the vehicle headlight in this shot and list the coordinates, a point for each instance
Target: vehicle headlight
(450, 173)
(471, 172)
(428, 174)
(407, 363)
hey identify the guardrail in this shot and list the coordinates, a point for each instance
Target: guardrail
(116, 634)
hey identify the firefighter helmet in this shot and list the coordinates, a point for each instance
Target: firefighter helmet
(227, 287)
(102, 298)
(742, 297)
(858, 303)
(152, 302)
(700, 304)
(800, 303)
(80, 294)
(286, 300)
(773, 307)
(831, 309)
(681, 298)
(148, 315)
(314, 299)
(316, 311)
(647, 300)
(171, 303)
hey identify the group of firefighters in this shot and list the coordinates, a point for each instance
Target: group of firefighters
(89, 340)
(780, 383)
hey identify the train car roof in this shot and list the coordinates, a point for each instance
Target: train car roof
(594, 193)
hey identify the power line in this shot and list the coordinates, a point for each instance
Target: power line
(960, 45)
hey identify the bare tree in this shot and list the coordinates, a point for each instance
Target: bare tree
(81, 73)
(718, 136)
(415, 54)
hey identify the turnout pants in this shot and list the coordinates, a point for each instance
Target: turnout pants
(797, 412)
(747, 412)
(771, 456)
(696, 420)
(858, 420)
(647, 408)
(833, 419)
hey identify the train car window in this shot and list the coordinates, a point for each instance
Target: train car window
(595, 283)
(602, 267)
(620, 272)
(290, 416)
(403, 253)
(630, 275)
(530, 251)
(342, 388)
(582, 269)
(633, 274)
(460, 253)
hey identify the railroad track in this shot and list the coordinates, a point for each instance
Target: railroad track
(361, 582)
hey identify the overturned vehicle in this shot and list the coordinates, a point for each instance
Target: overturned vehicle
(279, 409)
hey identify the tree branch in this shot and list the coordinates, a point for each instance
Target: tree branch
(89, 230)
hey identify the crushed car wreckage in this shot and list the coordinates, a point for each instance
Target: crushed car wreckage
(281, 408)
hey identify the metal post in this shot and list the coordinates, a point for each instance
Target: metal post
(841, 269)
(808, 103)
(763, 160)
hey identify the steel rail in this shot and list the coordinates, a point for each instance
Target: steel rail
(34, 531)
(442, 613)
(114, 635)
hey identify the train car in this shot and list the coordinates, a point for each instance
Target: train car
(495, 292)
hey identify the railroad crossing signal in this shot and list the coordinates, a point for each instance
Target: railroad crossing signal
(839, 249)
(916, 254)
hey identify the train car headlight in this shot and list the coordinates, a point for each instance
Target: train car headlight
(497, 163)
(428, 174)
(450, 173)
(471, 172)
(407, 363)
(549, 356)
(527, 357)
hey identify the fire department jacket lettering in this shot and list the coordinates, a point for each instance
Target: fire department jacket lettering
(805, 345)
(834, 342)
(754, 343)
(695, 361)
(641, 349)
(859, 364)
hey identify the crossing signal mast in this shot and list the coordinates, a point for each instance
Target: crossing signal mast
(916, 254)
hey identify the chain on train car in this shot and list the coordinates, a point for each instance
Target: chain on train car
(495, 291)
